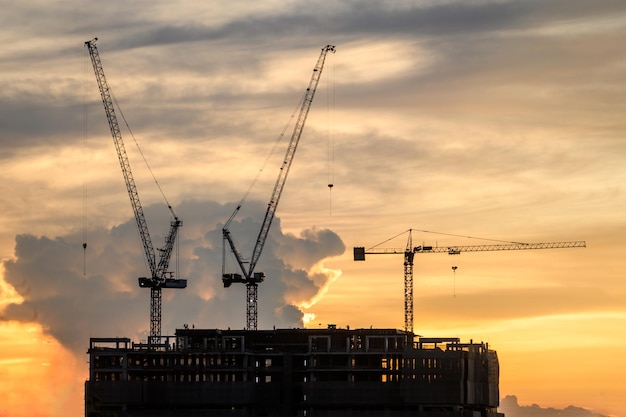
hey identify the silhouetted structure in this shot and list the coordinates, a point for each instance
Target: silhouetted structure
(292, 372)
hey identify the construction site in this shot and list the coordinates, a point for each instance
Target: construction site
(283, 372)
(292, 372)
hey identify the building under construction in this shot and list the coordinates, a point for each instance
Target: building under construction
(292, 372)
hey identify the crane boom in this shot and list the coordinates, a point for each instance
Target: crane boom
(410, 251)
(291, 151)
(360, 252)
(159, 277)
(166, 251)
(249, 277)
(114, 126)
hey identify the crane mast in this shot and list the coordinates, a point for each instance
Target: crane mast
(408, 284)
(160, 277)
(251, 278)
(410, 251)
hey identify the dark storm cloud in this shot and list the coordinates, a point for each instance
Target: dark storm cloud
(72, 305)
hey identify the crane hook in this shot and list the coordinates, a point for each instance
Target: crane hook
(454, 268)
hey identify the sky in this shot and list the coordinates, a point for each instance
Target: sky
(465, 121)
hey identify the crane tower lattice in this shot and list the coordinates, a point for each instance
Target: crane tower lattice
(160, 276)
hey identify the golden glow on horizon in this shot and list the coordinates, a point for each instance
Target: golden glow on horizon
(29, 356)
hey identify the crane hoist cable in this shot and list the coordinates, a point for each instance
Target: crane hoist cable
(143, 156)
(271, 153)
(84, 167)
(330, 122)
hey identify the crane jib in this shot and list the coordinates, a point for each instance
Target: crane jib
(159, 278)
(289, 156)
(248, 276)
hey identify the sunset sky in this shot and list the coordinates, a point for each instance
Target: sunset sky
(501, 120)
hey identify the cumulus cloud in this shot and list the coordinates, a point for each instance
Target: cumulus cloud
(511, 408)
(98, 296)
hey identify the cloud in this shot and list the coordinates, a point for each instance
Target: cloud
(497, 98)
(489, 118)
(511, 408)
(75, 299)
(144, 53)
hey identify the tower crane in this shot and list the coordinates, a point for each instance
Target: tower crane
(410, 251)
(160, 277)
(248, 276)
